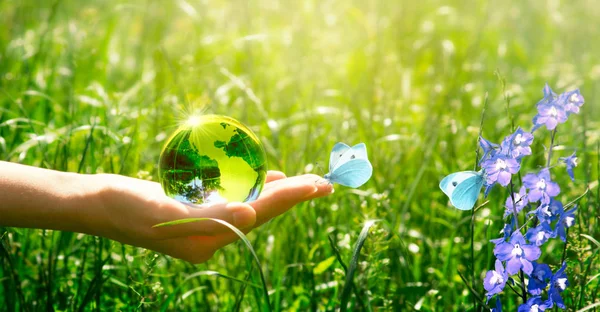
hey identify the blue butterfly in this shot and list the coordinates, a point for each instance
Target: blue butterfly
(349, 166)
(463, 188)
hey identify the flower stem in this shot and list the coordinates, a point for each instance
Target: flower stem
(514, 209)
(473, 210)
(523, 285)
(515, 291)
(514, 205)
(550, 149)
(564, 253)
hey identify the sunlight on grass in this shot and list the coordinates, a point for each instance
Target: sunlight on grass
(98, 87)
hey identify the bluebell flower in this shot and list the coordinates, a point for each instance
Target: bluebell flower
(558, 283)
(572, 101)
(538, 280)
(506, 232)
(520, 199)
(495, 280)
(540, 186)
(549, 96)
(549, 212)
(548, 93)
(500, 168)
(517, 253)
(517, 144)
(549, 114)
(535, 304)
(488, 188)
(565, 221)
(571, 163)
(498, 307)
(540, 234)
(488, 148)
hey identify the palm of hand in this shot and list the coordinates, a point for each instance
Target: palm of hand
(131, 207)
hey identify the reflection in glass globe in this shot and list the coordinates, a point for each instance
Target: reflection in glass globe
(212, 159)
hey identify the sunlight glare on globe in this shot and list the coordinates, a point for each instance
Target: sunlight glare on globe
(213, 158)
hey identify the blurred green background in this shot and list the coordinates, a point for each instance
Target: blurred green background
(98, 86)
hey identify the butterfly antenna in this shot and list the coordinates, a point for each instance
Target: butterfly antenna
(319, 169)
(321, 173)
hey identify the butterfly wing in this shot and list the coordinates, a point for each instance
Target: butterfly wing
(465, 194)
(352, 173)
(462, 188)
(358, 151)
(336, 154)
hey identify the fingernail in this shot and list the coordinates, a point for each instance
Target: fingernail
(326, 185)
(244, 218)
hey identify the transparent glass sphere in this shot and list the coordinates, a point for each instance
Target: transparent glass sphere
(213, 158)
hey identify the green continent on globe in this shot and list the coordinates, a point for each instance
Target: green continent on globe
(212, 159)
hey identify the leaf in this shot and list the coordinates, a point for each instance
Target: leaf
(571, 203)
(323, 265)
(89, 100)
(591, 306)
(592, 279)
(591, 239)
(118, 282)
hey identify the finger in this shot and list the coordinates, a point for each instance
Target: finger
(280, 197)
(239, 215)
(273, 175)
(285, 193)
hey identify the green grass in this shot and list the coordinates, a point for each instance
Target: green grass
(97, 86)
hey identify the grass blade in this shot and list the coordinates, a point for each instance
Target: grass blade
(241, 236)
(353, 264)
(591, 306)
(591, 239)
(167, 302)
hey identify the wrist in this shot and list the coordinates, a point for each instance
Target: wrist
(83, 202)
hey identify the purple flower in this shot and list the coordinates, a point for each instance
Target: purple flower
(499, 168)
(517, 144)
(549, 115)
(549, 96)
(495, 280)
(551, 111)
(572, 101)
(549, 212)
(538, 280)
(506, 233)
(541, 186)
(534, 304)
(565, 221)
(498, 307)
(540, 234)
(558, 283)
(517, 253)
(488, 188)
(571, 163)
(520, 202)
(489, 148)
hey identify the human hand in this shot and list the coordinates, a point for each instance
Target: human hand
(128, 209)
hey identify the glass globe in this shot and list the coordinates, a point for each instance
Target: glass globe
(213, 158)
